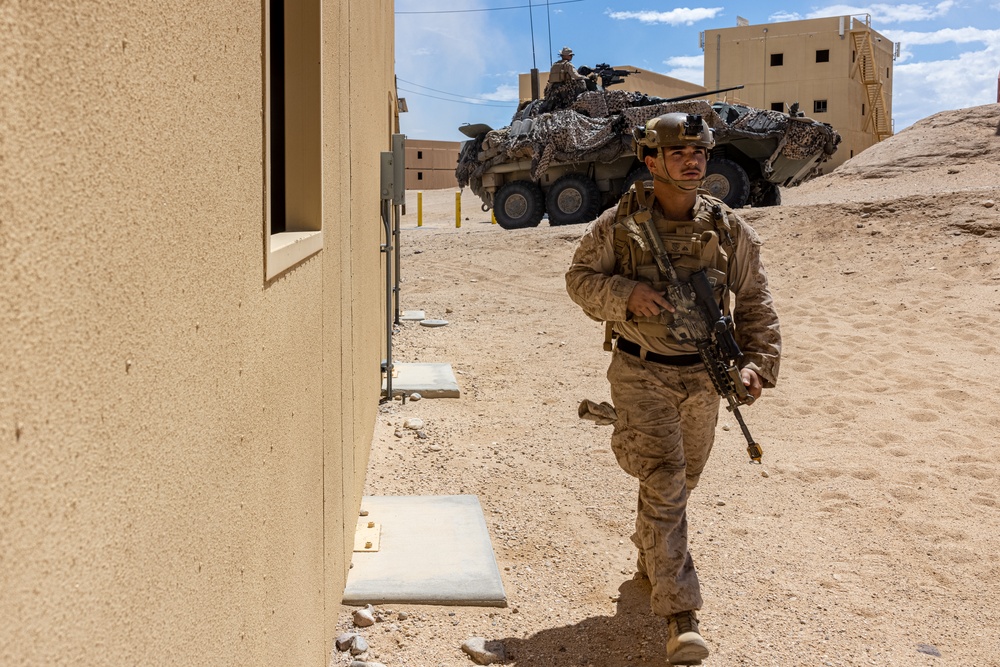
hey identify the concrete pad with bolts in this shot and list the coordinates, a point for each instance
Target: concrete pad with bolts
(412, 316)
(433, 550)
(428, 380)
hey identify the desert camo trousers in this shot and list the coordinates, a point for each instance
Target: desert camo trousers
(664, 434)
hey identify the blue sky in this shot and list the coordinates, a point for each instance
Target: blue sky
(457, 60)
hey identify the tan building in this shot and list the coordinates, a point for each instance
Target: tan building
(430, 165)
(193, 321)
(643, 81)
(837, 69)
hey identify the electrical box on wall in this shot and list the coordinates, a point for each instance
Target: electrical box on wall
(393, 172)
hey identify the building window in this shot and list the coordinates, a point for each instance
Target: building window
(862, 108)
(819, 106)
(777, 59)
(420, 155)
(823, 55)
(777, 106)
(293, 140)
(420, 175)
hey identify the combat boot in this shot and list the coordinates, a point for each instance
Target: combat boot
(684, 645)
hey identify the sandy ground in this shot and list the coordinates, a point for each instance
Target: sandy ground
(869, 536)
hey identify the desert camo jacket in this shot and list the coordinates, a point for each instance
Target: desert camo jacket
(594, 283)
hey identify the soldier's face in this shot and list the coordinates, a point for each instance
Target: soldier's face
(682, 163)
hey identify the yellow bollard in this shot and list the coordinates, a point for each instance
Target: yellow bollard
(420, 209)
(458, 209)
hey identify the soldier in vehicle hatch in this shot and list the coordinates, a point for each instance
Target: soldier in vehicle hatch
(666, 402)
(563, 69)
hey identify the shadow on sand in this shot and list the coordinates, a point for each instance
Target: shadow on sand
(633, 637)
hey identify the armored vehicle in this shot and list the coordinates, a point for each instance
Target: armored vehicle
(570, 154)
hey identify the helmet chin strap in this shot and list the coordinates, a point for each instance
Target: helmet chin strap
(689, 186)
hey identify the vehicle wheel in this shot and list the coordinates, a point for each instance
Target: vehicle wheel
(573, 199)
(640, 173)
(726, 180)
(519, 204)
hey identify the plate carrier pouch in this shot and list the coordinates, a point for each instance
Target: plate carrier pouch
(702, 243)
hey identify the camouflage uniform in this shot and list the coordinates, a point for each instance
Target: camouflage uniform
(667, 413)
(563, 70)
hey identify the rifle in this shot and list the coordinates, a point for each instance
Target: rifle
(698, 320)
(609, 75)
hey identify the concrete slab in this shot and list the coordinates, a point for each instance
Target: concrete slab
(434, 550)
(412, 316)
(429, 380)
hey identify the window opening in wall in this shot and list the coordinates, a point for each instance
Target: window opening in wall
(862, 108)
(823, 55)
(420, 155)
(819, 106)
(420, 175)
(777, 106)
(276, 100)
(777, 59)
(854, 54)
(292, 128)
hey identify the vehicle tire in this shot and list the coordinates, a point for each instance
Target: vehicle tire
(727, 181)
(573, 199)
(519, 204)
(640, 173)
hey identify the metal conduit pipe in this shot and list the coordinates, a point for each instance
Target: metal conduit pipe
(387, 249)
(392, 193)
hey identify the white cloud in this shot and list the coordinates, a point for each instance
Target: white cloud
(925, 88)
(908, 39)
(778, 17)
(503, 93)
(686, 68)
(945, 35)
(444, 52)
(679, 16)
(685, 61)
(882, 12)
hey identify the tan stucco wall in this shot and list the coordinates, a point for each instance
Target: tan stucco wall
(741, 55)
(182, 443)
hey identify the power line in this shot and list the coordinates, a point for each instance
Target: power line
(487, 9)
(443, 92)
(478, 104)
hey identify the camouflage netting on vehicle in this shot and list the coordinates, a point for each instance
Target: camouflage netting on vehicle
(568, 136)
(598, 128)
(799, 138)
(560, 95)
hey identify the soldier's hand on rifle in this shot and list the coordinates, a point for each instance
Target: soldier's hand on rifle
(647, 302)
(752, 382)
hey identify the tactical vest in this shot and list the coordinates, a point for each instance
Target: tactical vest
(703, 243)
(560, 72)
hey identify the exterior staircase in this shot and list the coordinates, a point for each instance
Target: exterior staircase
(865, 70)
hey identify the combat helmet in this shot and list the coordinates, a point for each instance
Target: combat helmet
(672, 129)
